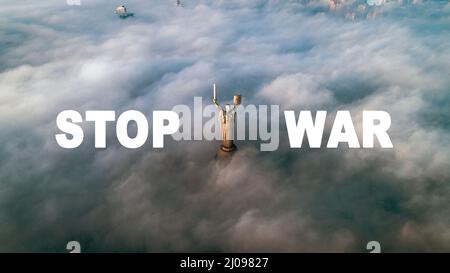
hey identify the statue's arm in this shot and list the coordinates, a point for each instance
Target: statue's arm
(217, 105)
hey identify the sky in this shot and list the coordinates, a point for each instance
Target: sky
(301, 55)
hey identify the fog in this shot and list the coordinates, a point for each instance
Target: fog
(301, 55)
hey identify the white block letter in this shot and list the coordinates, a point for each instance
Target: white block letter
(380, 130)
(100, 118)
(159, 130)
(69, 128)
(122, 129)
(296, 131)
(344, 121)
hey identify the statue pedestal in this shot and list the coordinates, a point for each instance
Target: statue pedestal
(225, 153)
(228, 149)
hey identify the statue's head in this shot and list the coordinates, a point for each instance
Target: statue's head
(237, 99)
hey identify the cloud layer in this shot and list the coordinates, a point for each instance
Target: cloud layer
(302, 55)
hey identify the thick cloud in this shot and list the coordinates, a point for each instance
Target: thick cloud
(298, 54)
